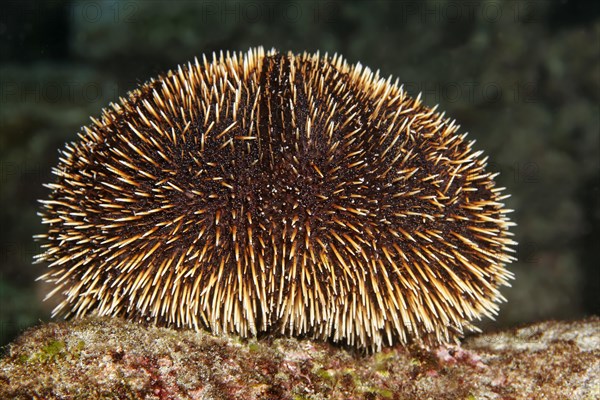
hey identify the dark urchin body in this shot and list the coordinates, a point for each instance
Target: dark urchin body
(285, 193)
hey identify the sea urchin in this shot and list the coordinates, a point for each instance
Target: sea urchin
(283, 193)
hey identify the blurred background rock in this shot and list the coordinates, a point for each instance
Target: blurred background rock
(523, 77)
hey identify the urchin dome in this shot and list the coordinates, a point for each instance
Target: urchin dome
(293, 194)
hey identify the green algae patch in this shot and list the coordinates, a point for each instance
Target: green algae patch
(50, 352)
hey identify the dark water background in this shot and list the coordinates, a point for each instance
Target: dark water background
(523, 77)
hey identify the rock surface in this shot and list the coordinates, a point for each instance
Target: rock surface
(113, 359)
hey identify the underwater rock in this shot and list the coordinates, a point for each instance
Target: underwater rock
(112, 358)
